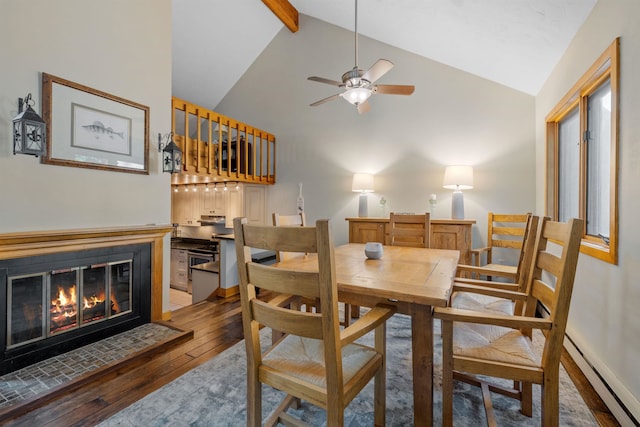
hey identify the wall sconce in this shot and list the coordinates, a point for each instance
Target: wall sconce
(28, 130)
(363, 184)
(458, 178)
(171, 154)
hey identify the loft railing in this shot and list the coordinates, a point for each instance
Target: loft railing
(219, 148)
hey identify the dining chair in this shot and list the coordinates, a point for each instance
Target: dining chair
(409, 230)
(505, 231)
(476, 299)
(315, 360)
(500, 346)
(289, 221)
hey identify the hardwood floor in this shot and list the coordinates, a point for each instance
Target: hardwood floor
(217, 326)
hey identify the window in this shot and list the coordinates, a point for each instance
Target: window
(582, 156)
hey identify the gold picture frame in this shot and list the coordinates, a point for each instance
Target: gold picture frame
(88, 128)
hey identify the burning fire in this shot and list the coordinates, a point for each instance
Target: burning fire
(64, 308)
(67, 301)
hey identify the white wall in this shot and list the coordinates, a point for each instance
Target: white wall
(121, 47)
(453, 117)
(604, 321)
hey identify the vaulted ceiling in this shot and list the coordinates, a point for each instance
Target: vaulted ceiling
(513, 42)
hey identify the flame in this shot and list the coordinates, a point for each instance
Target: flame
(92, 301)
(64, 299)
(115, 307)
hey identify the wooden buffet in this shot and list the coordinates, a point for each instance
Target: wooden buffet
(444, 234)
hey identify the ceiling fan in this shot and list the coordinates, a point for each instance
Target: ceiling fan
(359, 84)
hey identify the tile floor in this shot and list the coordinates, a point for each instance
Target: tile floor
(178, 299)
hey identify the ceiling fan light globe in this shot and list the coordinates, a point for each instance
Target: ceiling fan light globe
(357, 95)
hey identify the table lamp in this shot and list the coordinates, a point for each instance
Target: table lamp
(458, 178)
(363, 184)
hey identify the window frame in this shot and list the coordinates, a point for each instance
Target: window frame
(605, 67)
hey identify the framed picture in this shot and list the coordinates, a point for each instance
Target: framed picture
(89, 128)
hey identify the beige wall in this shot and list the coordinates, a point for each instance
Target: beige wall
(453, 117)
(121, 47)
(604, 320)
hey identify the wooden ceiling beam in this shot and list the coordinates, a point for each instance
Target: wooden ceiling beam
(285, 12)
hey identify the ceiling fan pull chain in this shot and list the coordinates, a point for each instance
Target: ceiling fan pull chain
(356, 36)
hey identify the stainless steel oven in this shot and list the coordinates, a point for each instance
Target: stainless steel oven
(197, 256)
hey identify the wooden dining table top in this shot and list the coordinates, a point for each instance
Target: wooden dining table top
(410, 275)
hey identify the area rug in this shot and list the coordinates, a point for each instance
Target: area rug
(213, 394)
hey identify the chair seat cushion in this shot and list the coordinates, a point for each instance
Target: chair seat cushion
(479, 302)
(303, 358)
(493, 343)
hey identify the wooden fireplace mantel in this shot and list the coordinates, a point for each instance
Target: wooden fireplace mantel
(34, 243)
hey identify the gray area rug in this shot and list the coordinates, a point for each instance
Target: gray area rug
(213, 394)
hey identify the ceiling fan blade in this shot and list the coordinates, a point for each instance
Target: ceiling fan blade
(327, 99)
(364, 107)
(323, 80)
(377, 70)
(394, 89)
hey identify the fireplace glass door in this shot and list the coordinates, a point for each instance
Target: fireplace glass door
(42, 305)
(26, 314)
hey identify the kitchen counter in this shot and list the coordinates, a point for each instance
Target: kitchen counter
(225, 236)
(178, 243)
(213, 267)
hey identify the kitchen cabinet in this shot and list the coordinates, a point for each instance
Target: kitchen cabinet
(235, 204)
(205, 281)
(185, 206)
(236, 200)
(444, 233)
(179, 278)
(255, 204)
(213, 202)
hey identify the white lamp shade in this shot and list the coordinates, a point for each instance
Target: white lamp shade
(362, 183)
(458, 178)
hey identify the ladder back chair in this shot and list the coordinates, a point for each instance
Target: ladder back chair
(409, 230)
(289, 221)
(503, 231)
(498, 345)
(477, 300)
(315, 360)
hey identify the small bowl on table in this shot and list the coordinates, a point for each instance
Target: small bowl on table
(373, 250)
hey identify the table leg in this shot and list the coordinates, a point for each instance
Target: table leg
(422, 349)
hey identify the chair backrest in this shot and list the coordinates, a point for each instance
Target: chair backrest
(526, 253)
(287, 221)
(318, 284)
(506, 230)
(296, 219)
(551, 280)
(409, 230)
(523, 271)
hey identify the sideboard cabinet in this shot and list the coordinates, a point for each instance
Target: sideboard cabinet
(445, 233)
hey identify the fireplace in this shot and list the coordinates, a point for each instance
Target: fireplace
(54, 299)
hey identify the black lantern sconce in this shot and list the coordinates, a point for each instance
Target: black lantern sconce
(171, 154)
(28, 130)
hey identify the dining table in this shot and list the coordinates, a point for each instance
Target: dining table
(414, 280)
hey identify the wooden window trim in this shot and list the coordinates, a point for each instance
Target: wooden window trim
(606, 66)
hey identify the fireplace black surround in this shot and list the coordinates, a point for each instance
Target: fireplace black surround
(127, 267)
